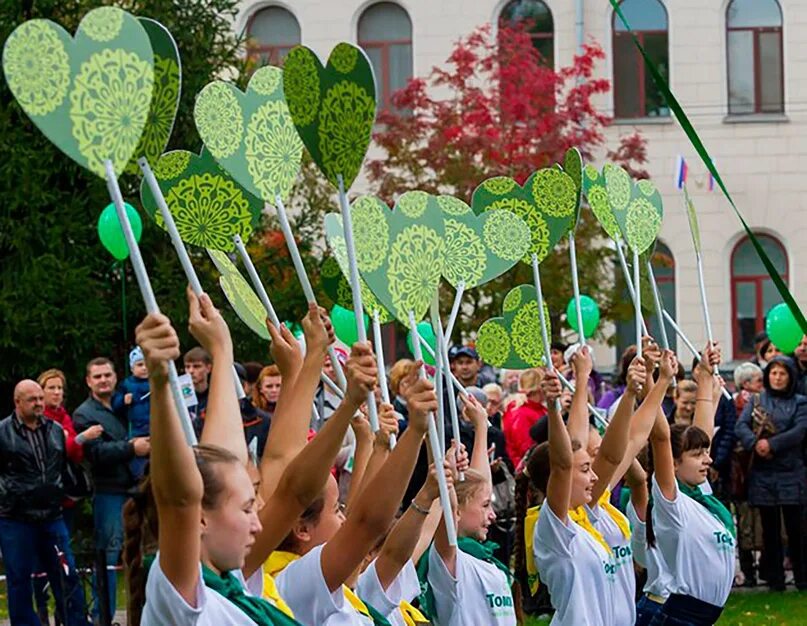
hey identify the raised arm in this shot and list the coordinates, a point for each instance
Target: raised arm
(704, 377)
(475, 413)
(361, 455)
(458, 460)
(559, 486)
(578, 424)
(403, 540)
(175, 480)
(223, 425)
(663, 464)
(387, 425)
(305, 477)
(379, 500)
(289, 429)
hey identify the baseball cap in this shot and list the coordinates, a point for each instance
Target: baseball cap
(458, 351)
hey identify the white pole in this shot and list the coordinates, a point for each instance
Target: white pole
(637, 301)
(536, 277)
(455, 309)
(382, 372)
(576, 289)
(442, 350)
(628, 280)
(665, 342)
(147, 293)
(592, 409)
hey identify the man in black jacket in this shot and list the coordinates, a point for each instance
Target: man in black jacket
(32, 461)
(109, 457)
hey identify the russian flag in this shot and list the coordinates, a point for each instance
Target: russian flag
(681, 172)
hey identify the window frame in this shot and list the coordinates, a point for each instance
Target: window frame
(274, 53)
(534, 36)
(641, 74)
(756, 31)
(758, 281)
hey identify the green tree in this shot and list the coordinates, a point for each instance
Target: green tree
(61, 294)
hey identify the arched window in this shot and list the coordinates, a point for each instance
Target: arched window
(536, 18)
(271, 33)
(635, 93)
(385, 33)
(754, 57)
(752, 290)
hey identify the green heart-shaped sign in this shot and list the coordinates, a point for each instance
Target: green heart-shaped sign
(246, 304)
(514, 340)
(597, 196)
(478, 248)
(333, 107)
(89, 95)
(573, 166)
(637, 208)
(547, 203)
(165, 98)
(252, 134)
(336, 285)
(208, 206)
(399, 253)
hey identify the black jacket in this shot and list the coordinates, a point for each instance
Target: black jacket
(28, 492)
(109, 455)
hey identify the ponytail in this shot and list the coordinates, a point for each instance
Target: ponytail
(140, 527)
(650, 534)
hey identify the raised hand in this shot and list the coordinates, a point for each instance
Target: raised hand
(420, 399)
(362, 373)
(668, 366)
(285, 350)
(208, 326)
(551, 387)
(317, 330)
(159, 342)
(473, 411)
(430, 490)
(387, 425)
(637, 376)
(651, 352)
(582, 363)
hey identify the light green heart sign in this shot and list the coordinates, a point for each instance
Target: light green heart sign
(573, 166)
(399, 253)
(208, 206)
(637, 207)
(336, 285)
(597, 196)
(333, 107)
(514, 341)
(90, 95)
(546, 203)
(164, 99)
(252, 134)
(239, 294)
(479, 248)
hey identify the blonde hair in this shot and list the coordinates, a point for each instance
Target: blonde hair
(398, 372)
(51, 373)
(468, 488)
(530, 380)
(686, 386)
(493, 388)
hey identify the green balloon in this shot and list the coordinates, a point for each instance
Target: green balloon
(426, 331)
(344, 324)
(110, 231)
(783, 329)
(590, 311)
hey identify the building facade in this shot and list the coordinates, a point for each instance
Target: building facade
(736, 67)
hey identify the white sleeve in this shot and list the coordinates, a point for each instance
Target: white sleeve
(302, 585)
(671, 513)
(165, 605)
(638, 537)
(447, 588)
(552, 535)
(405, 587)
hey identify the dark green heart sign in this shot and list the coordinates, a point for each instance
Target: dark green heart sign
(547, 203)
(573, 166)
(514, 341)
(637, 207)
(245, 302)
(333, 107)
(90, 95)
(597, 196)
(252, 134)
(399, 253)
(165, 98)
(208, 206)
(479, 248)
(336, 285)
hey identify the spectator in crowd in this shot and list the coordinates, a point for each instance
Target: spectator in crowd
(517, 427)
(199, 365)
(109, 456)
(800, 355)
(668, 404)
(773, 428)
(767, 350)
(131, 404)
(494, 395)
(509, 379)
(33, 453)
(465, 365)
(557, 354)
(266, 389)
(325, 399)
(253, 370)
(760, 343)
(256, 421)
(748, 381)
(398, 384)
(686, 394)
(610, 397)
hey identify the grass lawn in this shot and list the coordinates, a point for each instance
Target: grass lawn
(752, 608)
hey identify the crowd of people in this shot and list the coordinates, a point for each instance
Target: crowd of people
(291, 510)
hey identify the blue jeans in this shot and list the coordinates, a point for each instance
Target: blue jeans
(26, 544)
(107, 513)
(646, 610)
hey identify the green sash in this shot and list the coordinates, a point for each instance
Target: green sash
(712, 504)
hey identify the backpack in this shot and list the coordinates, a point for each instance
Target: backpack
(77, 481)
(503, 497)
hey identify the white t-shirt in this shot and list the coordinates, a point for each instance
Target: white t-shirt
(624, 598)
(404, 588)
(659, 578)
(478, 595)
(577, 570)
(164, 605)
(302, 585)
(696, 545)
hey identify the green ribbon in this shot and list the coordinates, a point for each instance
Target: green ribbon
(689, 129)
(711, 504)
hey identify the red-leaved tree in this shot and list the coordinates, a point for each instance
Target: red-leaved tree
(494, 109)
